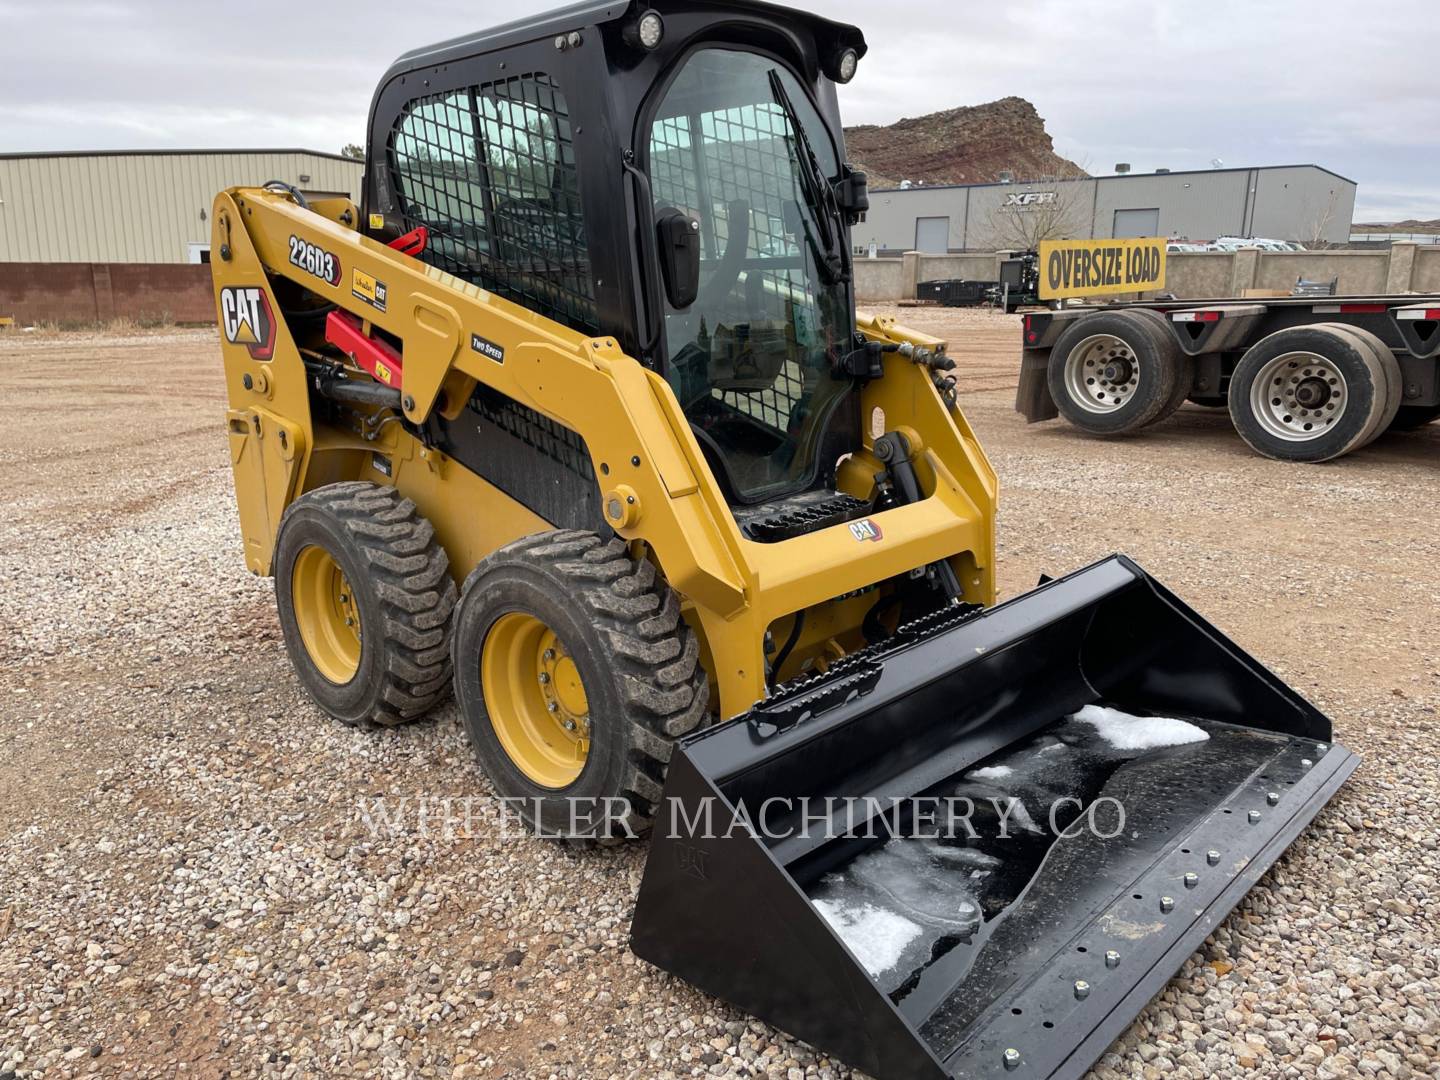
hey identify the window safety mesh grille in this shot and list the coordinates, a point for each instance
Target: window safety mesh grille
(490, 171)
(741, 160)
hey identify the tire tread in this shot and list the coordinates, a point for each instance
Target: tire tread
(410, 574)
(652, 651)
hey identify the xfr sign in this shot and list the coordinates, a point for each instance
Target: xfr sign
(1028, 200)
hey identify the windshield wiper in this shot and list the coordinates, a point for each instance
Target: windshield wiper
(819, 195)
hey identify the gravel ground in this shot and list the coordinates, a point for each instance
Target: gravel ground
(187, 885)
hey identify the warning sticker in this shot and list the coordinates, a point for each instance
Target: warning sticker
(1101, 267)
(371, 290)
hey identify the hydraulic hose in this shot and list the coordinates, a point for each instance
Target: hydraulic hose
(788, 647)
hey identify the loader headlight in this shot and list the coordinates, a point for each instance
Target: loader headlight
(646, 32)
(845, 65)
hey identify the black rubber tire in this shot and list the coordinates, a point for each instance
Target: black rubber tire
(637, 657)
(1410, 417)
(1157, 374)
(1390, 369)
(400, 577)
(1183, 367)
(1363, 375)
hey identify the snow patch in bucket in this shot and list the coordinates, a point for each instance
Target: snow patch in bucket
(877, 937)
(993, 772)
(1013, 813)
(1126, 732)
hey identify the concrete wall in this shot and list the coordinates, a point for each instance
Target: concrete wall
(98, 292)
(139, 208)
(1201, 274)
(1404, 268)
(1359, 271)
(980, 267)
(1283, 203)
(880, 279)
(1427, 270)
(896, 279)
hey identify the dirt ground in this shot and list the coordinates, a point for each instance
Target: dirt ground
(187, 887)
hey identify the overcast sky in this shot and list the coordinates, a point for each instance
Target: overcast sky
(1171, 83)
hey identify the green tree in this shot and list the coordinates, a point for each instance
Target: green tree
(353, 150)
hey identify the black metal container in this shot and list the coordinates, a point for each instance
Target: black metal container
(776, 821)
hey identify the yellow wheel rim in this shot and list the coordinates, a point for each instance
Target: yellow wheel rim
(327, 614)
(536, 700)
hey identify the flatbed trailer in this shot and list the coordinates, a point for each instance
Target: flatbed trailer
(1305, 378)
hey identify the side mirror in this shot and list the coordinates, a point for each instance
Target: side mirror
(678, 247)
(852, 195)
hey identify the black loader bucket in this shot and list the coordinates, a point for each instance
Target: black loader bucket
(981, 848)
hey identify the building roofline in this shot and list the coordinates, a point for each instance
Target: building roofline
(1114, 176)
(178, 153)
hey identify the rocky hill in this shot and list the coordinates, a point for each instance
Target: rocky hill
(1410, 225)
(969, 145)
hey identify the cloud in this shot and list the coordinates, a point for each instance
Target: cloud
(1170, 84)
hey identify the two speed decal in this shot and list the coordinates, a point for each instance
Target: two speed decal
(487, 348)
(314, 260)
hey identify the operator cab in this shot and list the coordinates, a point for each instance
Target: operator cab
(671, 175)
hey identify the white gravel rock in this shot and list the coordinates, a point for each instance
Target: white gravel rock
(187, 876)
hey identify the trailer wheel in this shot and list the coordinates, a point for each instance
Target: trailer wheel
(365, 596)
(1182, 366)
(1111, 374)
(1410, 417)
(1393, 381)
(575, 673)
(1308, 394)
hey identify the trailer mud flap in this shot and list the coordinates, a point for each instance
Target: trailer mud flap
(981, 849)
(1033, 399)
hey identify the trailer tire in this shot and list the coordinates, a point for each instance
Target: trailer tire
(1323, 394)
(1410, 417)
(364, 595)
(1394, 379)
(575, 673)
(1183, 367)
(1112, 374)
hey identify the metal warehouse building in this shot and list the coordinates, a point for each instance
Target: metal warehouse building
(140, 206)
(1281, 202)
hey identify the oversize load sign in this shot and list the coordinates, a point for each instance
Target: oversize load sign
(1100, 267)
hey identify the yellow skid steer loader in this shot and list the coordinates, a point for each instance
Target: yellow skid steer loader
(573, 416)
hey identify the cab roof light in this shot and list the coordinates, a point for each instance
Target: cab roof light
(646, 32)
(843, 64)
